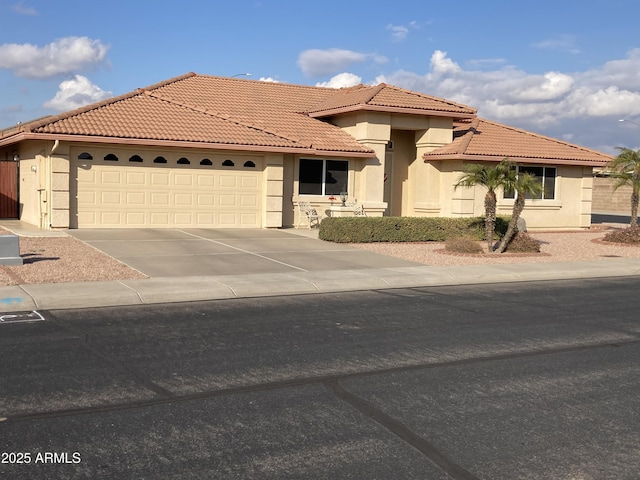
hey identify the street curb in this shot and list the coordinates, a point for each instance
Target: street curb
(54, 296)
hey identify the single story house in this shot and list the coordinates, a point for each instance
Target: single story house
(206, 151)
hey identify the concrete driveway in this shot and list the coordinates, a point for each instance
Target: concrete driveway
(194, 252)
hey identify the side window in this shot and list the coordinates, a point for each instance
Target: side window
(546, 176)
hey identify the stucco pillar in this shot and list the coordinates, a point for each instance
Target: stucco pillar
(59, 187)
(427, 178)
(586, 197)
(372, 129)
(273, 188)
(370, 188)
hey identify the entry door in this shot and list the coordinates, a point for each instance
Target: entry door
(8, 189)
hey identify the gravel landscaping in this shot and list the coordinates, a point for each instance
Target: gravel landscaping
(66, 259)
(62, 259)
(555, 247)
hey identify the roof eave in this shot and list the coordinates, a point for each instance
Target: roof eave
(185, 144)
(378, 108)
(15, 138)
(498, 158)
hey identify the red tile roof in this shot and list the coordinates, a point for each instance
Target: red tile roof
(231, 113)
(388, 98)
(234, 113)
(213, 111)
(482, 139)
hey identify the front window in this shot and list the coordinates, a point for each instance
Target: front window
(546, 176)
(323, 177)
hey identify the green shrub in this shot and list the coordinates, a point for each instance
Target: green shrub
(628, 235)
(463, 245)
(523, 243)
(403, 229)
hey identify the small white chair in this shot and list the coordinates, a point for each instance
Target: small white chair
(308, 213)
(358, 210)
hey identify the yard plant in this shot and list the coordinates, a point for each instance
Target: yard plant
(403, 229)
(625, 169)
(491, 178)
(525, 184)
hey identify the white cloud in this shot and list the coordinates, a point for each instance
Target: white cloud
(583, 106)
(63, 56)
(440, 64)
(567, 43)
(342, 80)
(550, 86)
(76, 93)
(269, 79)
(399, 33)
(318, 63)
(22, 9)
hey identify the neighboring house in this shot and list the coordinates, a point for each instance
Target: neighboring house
(203, 151)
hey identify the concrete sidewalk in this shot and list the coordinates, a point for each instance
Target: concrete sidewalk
(165, 290)
(362, 271)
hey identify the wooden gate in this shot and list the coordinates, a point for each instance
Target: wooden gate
(8, 189)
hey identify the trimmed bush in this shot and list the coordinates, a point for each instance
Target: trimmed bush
(463, 245)
(523, 243)
(403, 229)
(628, 235)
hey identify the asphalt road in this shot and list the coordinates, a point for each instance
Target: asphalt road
(511, 381)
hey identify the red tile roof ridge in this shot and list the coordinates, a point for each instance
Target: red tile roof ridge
(223, 116)
(429, 97)
(263, 82)
(466, 138)
(375, 90)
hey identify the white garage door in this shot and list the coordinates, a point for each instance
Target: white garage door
(158, 196)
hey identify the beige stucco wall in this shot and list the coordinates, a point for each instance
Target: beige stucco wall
(34, 184)
(291, 197)
(571, 207)
(273, 190)
(415, 188)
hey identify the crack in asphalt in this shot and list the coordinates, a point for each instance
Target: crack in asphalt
(455, 471)
(331, 383)
(165, 396)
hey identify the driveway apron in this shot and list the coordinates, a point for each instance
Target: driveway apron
(199, 252)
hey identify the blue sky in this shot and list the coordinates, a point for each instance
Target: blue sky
(564, 68)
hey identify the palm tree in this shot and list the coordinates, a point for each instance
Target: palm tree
(491, 178)
(625, 168)
(525, 184)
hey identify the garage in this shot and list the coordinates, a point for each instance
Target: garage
(130, 190)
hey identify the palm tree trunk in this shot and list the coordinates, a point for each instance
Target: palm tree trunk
(490, 203)
(518, 207)
(634, 208)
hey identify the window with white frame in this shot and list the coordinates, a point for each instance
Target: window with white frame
(546, 176)
(323, 177)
